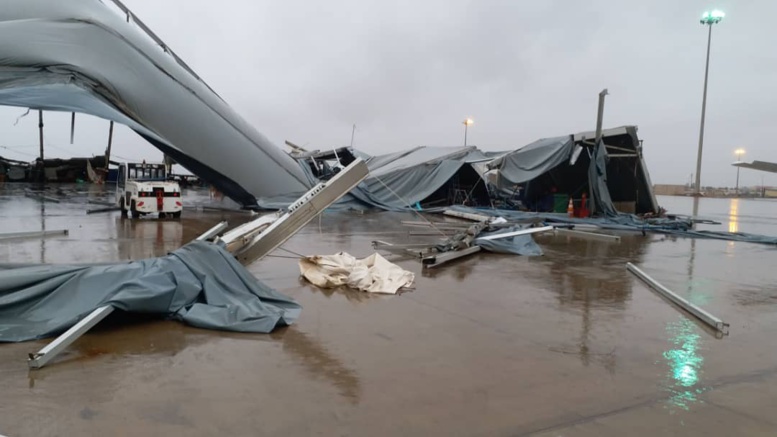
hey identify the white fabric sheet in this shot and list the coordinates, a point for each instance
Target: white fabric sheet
(373, 274)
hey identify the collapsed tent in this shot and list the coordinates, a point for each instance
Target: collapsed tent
(82, 56)
(420, 177)
(200, 284)
(543, 175)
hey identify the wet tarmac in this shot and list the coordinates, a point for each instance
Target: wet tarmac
(569, 343)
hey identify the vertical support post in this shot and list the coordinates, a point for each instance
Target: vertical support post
(600, 116)
(598, 134)
(72, 126)
(40, 130)
(737, 182)
(108, 150)
(697, 186)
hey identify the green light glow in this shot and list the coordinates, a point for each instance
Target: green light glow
(712, 17)
(684, 362)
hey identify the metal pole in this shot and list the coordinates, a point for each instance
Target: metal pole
(72, 126)
(40, 129)
(600, 116)
(699, 313)
(108, 150)
(737, 189)
(703, 113)
(212, 232)
(466, 125)
(42, 357)
(353, 132)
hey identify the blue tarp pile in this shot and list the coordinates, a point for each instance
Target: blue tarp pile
(200, 284)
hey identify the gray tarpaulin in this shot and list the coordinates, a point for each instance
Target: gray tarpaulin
(517, 245)
(82, 56)
(597, 178)
(201, 284)
(533, 160)
(398, 180)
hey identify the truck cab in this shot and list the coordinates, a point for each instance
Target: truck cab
(144, 189)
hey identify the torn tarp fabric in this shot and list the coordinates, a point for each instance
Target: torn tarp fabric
(200, 284)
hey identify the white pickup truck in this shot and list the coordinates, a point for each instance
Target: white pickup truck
(144, 189)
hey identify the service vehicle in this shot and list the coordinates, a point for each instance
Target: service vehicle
(144, 189)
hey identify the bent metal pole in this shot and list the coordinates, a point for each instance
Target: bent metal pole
(704, 316)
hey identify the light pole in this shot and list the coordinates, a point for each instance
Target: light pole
(466, 122)
(738, 152)
(708, 19)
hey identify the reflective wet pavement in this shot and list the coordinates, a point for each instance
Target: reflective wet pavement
(565, 344)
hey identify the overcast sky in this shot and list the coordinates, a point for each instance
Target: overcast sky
(408, 72)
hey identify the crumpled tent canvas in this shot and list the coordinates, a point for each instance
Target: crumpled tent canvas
(401, 180)
(374, 274)
(200, 284)
(533, 160)
(83, 56)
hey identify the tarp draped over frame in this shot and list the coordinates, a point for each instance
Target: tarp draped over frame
(200, 284)
(81, 56)
(532, 161)
(398, 180)
(597, 178)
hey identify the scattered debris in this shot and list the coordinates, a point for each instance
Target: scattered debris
(107, 209)
(490, 233)
(33, 234)
(373, 274)
(202, 283)
(704, 316)
(40, 196)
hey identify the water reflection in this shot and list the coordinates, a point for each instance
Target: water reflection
(685, 363)
(587, 277)
(733, 216)
(320, 363)
(147, 238)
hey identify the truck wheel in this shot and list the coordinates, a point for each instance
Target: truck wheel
(177, 214)
(134, 210)
(123, 208)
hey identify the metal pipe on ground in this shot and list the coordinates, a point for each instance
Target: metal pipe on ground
(51, 350)
(40, 196)
(516, 233)
(107, 209)
(694, 310)
(33, 234)
(467, 215)
(437, 260)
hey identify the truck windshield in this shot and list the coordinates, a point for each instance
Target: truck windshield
(146, 173)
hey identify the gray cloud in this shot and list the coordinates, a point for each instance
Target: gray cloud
(407, 73)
